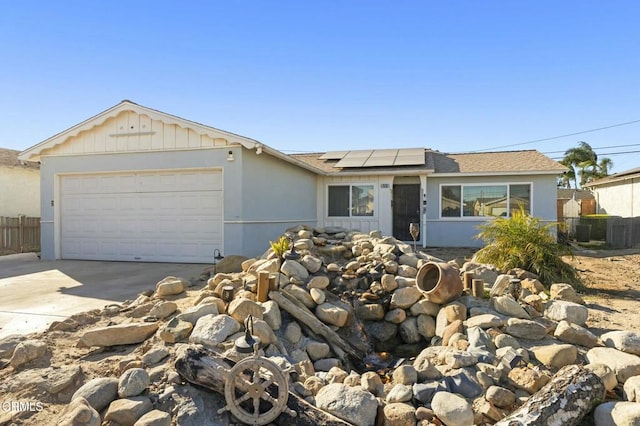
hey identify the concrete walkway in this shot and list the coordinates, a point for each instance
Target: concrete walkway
(34, 293)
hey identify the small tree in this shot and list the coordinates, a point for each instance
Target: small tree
(524, 241)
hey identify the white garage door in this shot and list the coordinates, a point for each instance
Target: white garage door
(173, 216)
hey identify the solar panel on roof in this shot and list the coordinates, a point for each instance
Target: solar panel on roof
(410, 157)
(351, 162)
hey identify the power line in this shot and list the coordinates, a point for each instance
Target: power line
(605, 153)
(600, 147)
(562, 136)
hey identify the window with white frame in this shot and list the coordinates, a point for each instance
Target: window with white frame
(350, 200)
(494, 200)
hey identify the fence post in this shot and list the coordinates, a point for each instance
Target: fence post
(21, 220)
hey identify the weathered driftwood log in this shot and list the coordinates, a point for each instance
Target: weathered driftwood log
(300, 312)
(564, 401)
(204, 368)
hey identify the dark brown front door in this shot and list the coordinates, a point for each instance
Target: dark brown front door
(406, 209)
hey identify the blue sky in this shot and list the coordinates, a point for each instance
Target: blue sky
(308, 76)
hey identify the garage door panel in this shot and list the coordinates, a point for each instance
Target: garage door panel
(159, 216)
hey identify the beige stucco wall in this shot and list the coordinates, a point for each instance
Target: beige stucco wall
(19, 191)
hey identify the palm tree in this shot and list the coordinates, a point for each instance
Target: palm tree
(582, 160)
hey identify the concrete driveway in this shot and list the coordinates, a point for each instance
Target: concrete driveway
(34, 293)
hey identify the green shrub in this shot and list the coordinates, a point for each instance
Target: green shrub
(524, 241)
(280, 246)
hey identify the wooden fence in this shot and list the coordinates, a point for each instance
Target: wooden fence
(19, 234)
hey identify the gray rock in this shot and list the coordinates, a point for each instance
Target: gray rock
(211, 330)
(606, 374)
(562, 291)
(293, 333)
(320, 282)
(625, 341)
(27, 351)
(332, 315)
(408, 331)
(458, 359)
(163, 309)
(240, 309)
(51, 380)
(486, 321)
(559, 310)
(400, 393)
(194, 313)
(127, 411)
(7, 345)
(388, 282)
(424, 307)
(575, 334)
(121, 334)
(556, 356)
(317, 350)
(318, 295)
(617, 413)
(500, 285)
(405, 297)
(370, 312)
(452, 410)
(632, 389)
(302, 295)
(395, 316)
(500, 397)
(326, 364)
(230, 263)
(175, 330)
(199, 408)
(623, 364)
(426, 326)
(506, 341)
(312, 263)
(479, 340)
(170, 286)
(272, 314)
(525, 329)
(99, 392)
(293, 269)
(154, 418)
(350, 404)
(79, 413)
(380, 331)
(405, 374)
(133, 382)
(155, 355)
(507, 305)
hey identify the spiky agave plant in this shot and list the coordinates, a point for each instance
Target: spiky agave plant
(524, 241)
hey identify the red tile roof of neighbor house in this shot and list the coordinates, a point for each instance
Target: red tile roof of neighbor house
(9, 157)
(528, 161)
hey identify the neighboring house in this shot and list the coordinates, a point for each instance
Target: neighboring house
(133, 183)
(618, 195)
(19, 185)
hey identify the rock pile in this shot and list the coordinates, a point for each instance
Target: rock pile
(373, 350)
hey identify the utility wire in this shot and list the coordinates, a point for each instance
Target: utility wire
(561, 136)
(599, 147)
(605, 153)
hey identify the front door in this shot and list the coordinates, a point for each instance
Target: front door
(406, 209)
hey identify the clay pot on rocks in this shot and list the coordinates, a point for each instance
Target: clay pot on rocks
(439, 282)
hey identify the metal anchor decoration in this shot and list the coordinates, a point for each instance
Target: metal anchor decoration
(256, 390)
